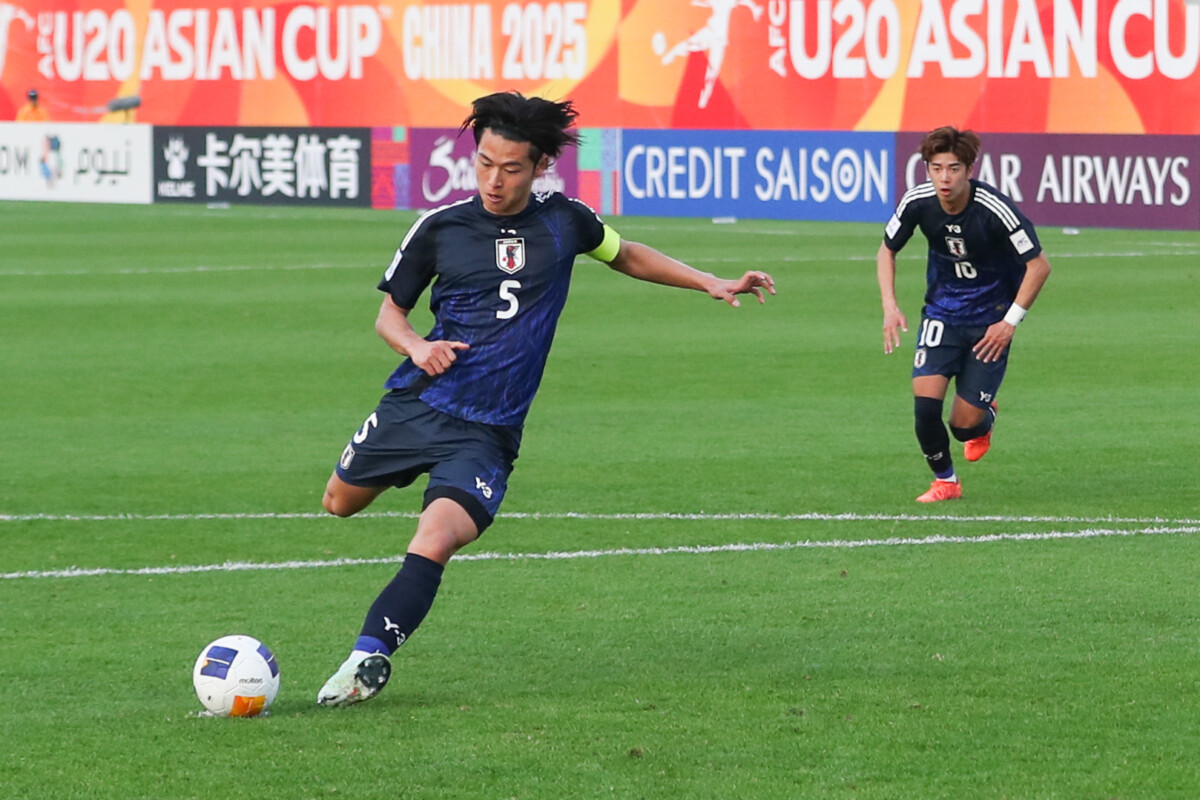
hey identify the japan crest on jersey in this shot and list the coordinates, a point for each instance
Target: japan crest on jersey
(956, 246)
(510, 254)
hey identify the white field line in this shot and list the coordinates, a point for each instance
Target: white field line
(837, 544)
(192, 270)
(810, 516)
(1181, 251)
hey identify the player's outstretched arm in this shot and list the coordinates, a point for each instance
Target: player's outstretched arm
(647, 264)
(393, 327)
(894, 320)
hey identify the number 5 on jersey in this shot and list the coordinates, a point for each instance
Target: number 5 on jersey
(506, 294)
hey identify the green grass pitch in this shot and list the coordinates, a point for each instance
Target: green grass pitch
(745, 603)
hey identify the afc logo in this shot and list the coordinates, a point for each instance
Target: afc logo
(510, 254)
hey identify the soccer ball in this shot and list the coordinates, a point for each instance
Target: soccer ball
(236, 676)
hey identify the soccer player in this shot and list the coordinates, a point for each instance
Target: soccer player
(500, 266)
(985, 269)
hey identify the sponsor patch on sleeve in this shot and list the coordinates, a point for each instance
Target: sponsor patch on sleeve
(893, 226)
(1021, 241)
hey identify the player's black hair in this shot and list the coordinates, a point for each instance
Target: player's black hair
(963, 144)
(545, 124)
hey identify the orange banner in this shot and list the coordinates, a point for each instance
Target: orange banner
(1066, 66)
(1072, 66)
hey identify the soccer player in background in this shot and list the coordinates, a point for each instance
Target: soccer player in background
(985, 268)
(500, 267)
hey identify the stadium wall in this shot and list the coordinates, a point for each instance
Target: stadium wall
(1010, 66)
(1099, 180)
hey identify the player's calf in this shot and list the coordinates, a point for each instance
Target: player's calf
(931, 435)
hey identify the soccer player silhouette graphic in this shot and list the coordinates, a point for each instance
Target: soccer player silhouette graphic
(713, 38)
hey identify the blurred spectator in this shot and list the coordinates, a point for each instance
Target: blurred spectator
(32, 111)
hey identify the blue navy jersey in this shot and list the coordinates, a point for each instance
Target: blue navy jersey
(977, 258)
(499, 284)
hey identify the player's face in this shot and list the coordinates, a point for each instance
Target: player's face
(952, 179)
(505, 172)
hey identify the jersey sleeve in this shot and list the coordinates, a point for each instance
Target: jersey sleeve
(413, 266)
(903, 222)
(1024, 240)
(596, 239)
(1009, 224)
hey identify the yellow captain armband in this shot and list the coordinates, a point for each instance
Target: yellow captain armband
(608, 248)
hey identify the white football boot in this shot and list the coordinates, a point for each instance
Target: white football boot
(360, 677)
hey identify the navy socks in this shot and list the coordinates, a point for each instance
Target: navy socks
(932, 436)
(401, 606)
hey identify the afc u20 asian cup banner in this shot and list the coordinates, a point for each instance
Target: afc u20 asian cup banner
(1019, 66)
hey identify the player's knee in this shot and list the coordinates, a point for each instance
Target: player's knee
(338, 506)
(970, 422)
(927, 411)
(973, 432)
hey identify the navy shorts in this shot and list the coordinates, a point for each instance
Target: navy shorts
(944, 349)
(468, 462)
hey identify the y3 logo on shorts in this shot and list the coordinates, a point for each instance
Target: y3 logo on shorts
(484, 488)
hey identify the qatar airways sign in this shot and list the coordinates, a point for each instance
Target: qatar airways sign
(1100, 181)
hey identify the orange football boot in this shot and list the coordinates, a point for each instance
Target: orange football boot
(975, 449)
(942, 490)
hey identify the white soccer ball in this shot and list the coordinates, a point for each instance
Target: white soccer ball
(236, 676)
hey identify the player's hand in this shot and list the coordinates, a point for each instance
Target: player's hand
(436, 357)
(993, 344)
(753, 282)
(893, 323)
